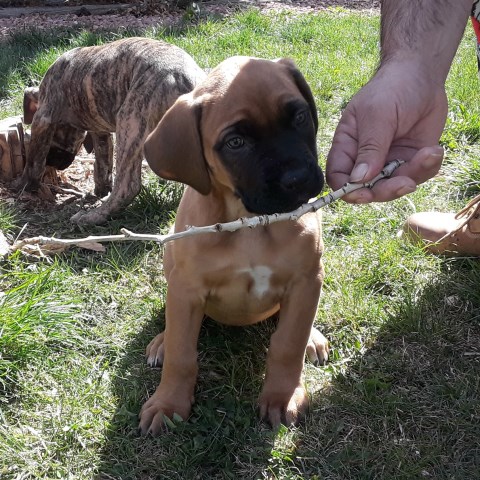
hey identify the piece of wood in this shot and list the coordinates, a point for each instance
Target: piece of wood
(6, 173)
(12, 148)
(17, 158)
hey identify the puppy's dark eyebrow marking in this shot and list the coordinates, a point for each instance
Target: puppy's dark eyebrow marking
(293, 106)
(242, 127)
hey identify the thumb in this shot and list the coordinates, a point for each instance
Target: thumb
(373, 147)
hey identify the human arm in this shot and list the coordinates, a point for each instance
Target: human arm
(401, 111)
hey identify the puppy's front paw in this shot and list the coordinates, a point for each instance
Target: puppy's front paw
(155, 351)
(93, 217)
(277, 408)
(156, 408)
(317, 348)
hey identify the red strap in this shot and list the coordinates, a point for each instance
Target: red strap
(476, 28)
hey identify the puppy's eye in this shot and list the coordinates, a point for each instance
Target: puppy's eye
(235, 143)
(300, 117)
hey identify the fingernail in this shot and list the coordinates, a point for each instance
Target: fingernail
(406, 189)
(433, 160)
(438, 152)
(359, 172)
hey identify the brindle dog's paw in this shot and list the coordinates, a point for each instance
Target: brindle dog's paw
(25, 183)
(32, 191)
(155, 351)
(317, 348)
(93, 217)
(18, 184)
(278, 408)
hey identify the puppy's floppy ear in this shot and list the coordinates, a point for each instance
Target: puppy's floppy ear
(302, 85)
(30, 104)
(174, 149)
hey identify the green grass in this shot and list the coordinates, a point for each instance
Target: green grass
(400, 397)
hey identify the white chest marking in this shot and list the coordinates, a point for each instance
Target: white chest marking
(261, 279)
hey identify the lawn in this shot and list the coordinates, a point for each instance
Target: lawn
(399, 398)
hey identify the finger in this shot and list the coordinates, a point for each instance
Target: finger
(374, 142)
(352, 160)
(423, 166)
(383, 191)
(342, 154)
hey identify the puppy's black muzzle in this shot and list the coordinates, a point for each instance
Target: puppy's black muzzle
(274, 170)
(295, 180)
(287, 192)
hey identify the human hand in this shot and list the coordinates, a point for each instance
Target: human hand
(401, 114)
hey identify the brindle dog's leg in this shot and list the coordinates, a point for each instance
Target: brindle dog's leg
(102, 170)
(131, 133)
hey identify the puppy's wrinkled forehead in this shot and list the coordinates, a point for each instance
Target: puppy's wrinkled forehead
(249, 89)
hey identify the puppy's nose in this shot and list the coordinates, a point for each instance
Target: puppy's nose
(295, 179)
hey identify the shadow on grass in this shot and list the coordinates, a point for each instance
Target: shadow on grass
(409, 407)
(406, 408)
(222, 438)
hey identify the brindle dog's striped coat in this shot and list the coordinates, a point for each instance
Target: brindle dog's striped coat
(123, 87)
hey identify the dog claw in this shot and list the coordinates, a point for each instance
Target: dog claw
(155, 361)
(155, 351)
(317, 348)
(283, 409)
(88, 218)
(156, 415)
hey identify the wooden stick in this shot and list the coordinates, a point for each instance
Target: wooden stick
(92, 242)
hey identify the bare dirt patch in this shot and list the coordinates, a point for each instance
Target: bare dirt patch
(36, 14)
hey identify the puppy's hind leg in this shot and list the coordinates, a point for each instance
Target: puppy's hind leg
(130, 138)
